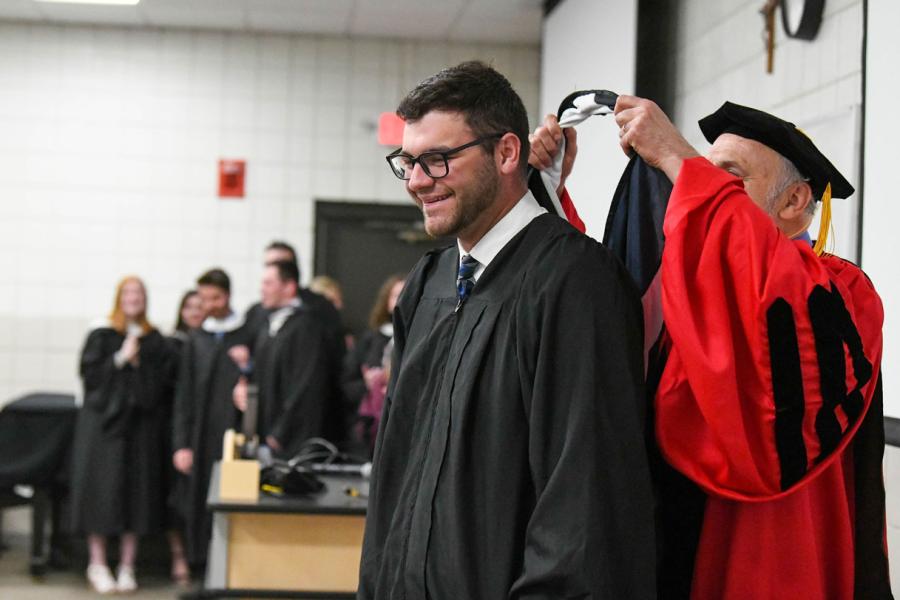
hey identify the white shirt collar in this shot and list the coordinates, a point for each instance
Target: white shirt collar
(518, 217)
(230, 323)
(279, 316)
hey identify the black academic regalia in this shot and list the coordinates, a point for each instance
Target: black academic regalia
(511, 460)
(175, 481)
(295, 373)
(337, 415)
(255, 319)
(204, 410)
(117, 469)
(257, 322)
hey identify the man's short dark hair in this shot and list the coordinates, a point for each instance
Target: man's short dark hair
(217, 278)
(287, 271)
(284, 247)
(483, 96)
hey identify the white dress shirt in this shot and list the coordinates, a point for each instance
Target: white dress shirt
(519, 216)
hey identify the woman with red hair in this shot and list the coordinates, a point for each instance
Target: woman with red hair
(117, 487)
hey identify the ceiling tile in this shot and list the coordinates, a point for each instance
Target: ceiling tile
(334, 23)
(437, 20)
(94, 14)
(486, 22)
(185, 15)
(415, 22)
(19, 9)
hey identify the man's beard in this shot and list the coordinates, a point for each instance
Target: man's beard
(470, 202)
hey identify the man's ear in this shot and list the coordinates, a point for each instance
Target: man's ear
(507, 153)
(799, 197)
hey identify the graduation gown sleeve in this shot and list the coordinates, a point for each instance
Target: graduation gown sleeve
(154, 371)
(775, 351)
(304, 384)
(183, 408)
(581, 367)
(101, 376)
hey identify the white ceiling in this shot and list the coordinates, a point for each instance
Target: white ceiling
(455, 20)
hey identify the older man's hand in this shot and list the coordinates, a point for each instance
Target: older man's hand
(644, 128)
(545, 145)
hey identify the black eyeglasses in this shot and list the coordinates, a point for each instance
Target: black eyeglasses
(435, 164)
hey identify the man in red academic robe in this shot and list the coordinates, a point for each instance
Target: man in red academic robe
(768, 407)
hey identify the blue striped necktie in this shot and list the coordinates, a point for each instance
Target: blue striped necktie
(465, 280)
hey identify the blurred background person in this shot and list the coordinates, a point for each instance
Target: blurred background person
(336, 421)
(190, 317)
(257, 314)
(364, 379)
(117, 483)
(292, 367)
(329, 288)
(212, 358)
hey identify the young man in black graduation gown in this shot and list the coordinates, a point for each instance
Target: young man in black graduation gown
(293, 367)
(511, 461)
(211, 364)
(257, 318)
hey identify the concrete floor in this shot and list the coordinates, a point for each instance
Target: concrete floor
(17, 584)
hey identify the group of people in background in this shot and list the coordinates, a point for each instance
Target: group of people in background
(156, 407)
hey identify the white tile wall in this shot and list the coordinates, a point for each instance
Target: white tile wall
(109, 141)
(720, 56)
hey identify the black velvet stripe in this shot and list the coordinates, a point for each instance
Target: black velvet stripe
(833, 328)
(787, 384)
(832, 372)
(871, 580)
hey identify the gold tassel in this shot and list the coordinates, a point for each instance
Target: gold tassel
(824, 222)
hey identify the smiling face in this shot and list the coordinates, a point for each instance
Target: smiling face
(215, 301)
(192, 312)
(132, 300)
(456, 204)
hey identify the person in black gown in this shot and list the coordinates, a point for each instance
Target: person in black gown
(257, 322)
(211, 362)
(117, 479)
(364, 374)
(511, 460)
(190, 317)
(293, 369)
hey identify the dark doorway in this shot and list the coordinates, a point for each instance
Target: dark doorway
(362, 244)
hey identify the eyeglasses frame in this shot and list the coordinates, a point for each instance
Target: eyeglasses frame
(445, 154)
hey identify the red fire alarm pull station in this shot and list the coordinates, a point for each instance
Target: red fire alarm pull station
(231, 178)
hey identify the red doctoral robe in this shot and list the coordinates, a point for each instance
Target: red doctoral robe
(770, 402)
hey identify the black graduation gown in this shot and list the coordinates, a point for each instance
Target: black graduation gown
(257, 322)
(337, 414)
(117, 468)
(175, 481)
(204, 409)
(295, 374)
(511, 458)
